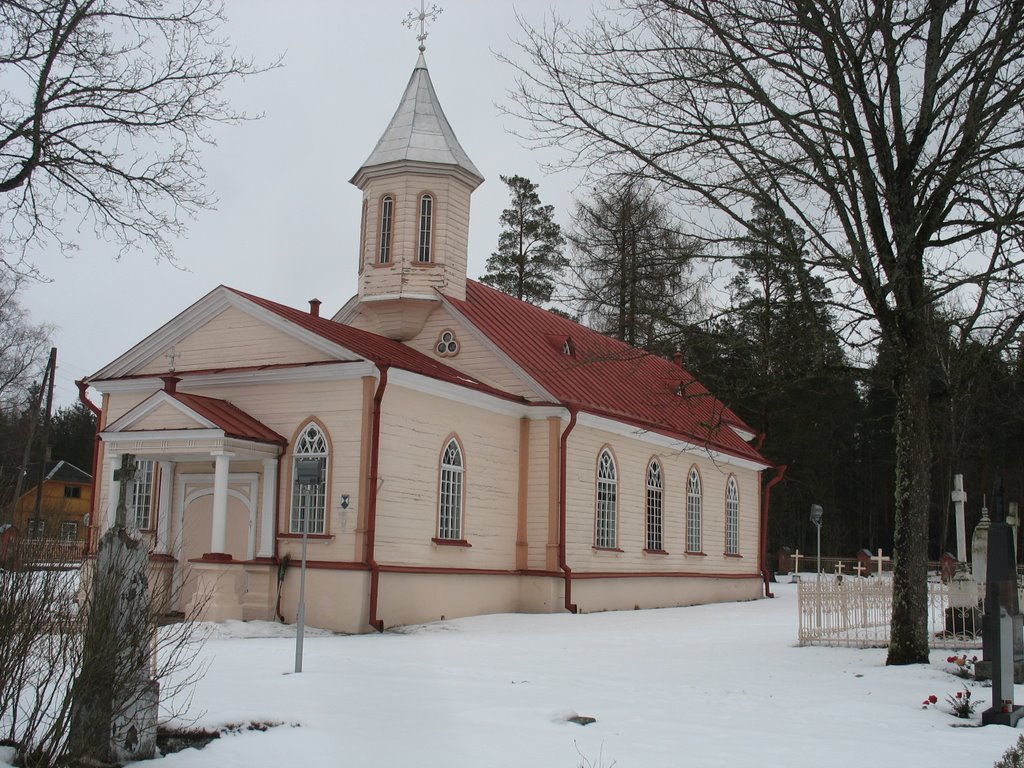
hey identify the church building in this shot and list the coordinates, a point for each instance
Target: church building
(446, 449)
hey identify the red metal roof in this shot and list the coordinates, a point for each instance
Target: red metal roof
(376, 349)
(233, 420)
(604, 376)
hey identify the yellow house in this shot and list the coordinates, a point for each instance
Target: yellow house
(66, 503)
(445, 449)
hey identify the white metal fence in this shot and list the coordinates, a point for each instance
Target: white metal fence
(856, 612)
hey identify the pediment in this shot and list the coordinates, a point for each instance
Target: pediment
(224, 330)
(161, 412)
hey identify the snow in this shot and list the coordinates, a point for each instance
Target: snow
(718, 685)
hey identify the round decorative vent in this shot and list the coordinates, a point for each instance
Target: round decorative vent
(447, 345)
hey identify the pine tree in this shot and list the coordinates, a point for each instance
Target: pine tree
(529, 257)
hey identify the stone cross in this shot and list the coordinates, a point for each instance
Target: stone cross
(796, 561)
(879, 558)
(125, 476)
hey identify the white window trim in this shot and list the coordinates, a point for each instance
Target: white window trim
(732, 517)
(316, 501)
(655, 507)
(606, 512)
(694, 510)
(451, 492)
(426, 219)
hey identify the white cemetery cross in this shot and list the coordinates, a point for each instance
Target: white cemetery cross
(859, 568)
(879, 558)
(959, 497)
(839, 568)
(796, 562)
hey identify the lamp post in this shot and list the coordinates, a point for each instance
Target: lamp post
(816, 513)
(308, 473)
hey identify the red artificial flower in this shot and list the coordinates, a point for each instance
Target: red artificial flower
(959, 694)
(951, 659)
(932, 699)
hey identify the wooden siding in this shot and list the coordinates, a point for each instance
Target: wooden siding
(166, 416)
(336, 405)
(414, 430)
(474, 358)
(232, 339)
(632, 457)
(450, 245)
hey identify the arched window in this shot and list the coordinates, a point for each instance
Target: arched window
(655, 540)
(732, 517)
(693, 512)
(607, 499)
(387, 214)
(426, 222)
(449, 517)
(309, 482)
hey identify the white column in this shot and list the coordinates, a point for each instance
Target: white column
(163, 511)
(267, 531)
(220, 501)
(113, 490)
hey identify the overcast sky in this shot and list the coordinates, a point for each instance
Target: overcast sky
(286, 226)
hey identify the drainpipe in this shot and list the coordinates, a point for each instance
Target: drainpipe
(83, 385)
(562, 469)
(780, 472)
(371, 498)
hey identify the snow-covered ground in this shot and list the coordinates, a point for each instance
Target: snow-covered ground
(720, 685)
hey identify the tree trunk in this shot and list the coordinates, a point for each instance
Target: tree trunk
(908, 642)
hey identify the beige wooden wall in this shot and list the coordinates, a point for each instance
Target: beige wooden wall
(632, 457)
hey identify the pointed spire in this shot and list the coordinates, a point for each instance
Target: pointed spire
(419, 132)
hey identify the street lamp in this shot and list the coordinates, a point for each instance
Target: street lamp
(308, 473)
(816, 513)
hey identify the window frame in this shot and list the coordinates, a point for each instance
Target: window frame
(694, 512)
(65, 526)
(654, 508)
(732, 517)
(141, 506)
(386, 229)
(302, 501)
(451, 493)
(424, 250)
(606, 499)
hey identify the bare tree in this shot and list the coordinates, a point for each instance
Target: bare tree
(106, 105)
(631, 273)
(891, 131)
(23, 344)
(55, 652)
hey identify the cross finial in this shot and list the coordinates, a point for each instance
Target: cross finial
(425, 15)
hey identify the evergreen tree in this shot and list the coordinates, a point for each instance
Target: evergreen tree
(529, 257)
(777, 361)
(72, 435)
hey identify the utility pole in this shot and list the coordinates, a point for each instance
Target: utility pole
(26, 456)
(51, 371)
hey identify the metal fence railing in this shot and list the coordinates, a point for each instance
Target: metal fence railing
(856, 612)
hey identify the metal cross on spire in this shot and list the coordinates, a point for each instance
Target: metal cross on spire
(425, 15)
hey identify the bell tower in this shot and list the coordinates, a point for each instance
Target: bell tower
(416, 187)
